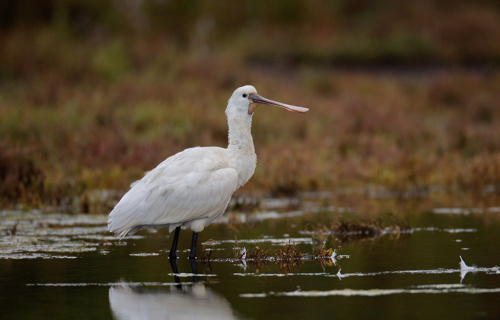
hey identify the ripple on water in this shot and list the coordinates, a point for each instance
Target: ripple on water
(371, 292)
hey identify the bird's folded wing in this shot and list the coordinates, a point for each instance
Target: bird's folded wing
(194, 184)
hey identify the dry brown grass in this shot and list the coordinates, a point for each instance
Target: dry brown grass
(370, 130)
(93, 110)
(356, 226)
(288, 257)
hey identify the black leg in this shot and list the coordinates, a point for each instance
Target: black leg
(173, 251)
(173, 266)
(193, 270)
(192, 255)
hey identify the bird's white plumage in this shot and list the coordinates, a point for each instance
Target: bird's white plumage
(191, 302)
(193, 187)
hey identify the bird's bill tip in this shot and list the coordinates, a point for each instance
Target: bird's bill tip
(257, 100)
(297, 109)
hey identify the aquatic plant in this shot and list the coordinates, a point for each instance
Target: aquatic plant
(323, 253)
(255, 253)
(205, 253)
(357, 226)
(289, 252)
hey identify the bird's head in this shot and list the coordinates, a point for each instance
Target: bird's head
(245, 100)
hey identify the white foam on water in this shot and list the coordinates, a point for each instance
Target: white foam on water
(463, 270)
(440, 286)
(341, 275)
(106, 237)
(29, 256)
(390, 231)
(459, 230)
(379, 273)
(372, 292)
(186, 274)
(290, 274)
(144, 254)
(278, 241)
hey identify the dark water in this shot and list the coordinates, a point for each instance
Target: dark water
(68, 267)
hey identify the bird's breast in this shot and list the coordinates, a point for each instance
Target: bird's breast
(245, 166)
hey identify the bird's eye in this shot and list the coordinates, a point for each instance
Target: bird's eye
(244, 95)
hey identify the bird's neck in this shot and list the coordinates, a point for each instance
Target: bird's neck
(241, 148)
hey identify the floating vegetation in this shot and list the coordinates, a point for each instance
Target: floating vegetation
(287, 256)
(255, 253)
(323, 253)
(356, 228)
(368, 228)
(290, 253)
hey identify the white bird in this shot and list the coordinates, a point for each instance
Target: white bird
(193, 187)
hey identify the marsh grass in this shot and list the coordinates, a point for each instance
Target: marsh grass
(205, 253)
(93, 108)
(356, 226)
(371, 131)
(256, 253)
(288, 257)
(288, 252)
(323, 253)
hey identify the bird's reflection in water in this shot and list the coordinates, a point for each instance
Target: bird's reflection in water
(183, 301)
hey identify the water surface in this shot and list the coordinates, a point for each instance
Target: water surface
(69, 266)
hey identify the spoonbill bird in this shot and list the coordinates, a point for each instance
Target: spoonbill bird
(193, 187)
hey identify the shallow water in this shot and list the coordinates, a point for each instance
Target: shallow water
(68, 266)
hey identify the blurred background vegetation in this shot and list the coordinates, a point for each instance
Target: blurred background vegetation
(403, 94)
